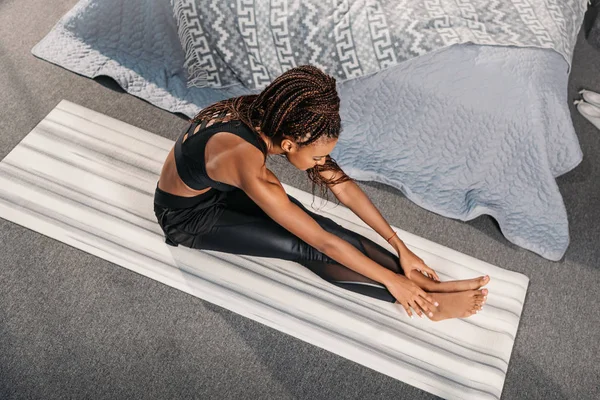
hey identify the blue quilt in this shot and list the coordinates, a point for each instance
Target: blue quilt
(463, 131)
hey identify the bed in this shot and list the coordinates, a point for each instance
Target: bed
(464, 125)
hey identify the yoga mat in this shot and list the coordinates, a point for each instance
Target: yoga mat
(87, 180)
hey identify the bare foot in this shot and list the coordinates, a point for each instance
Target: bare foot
(459, 286)
(458, 304)
(430, 285)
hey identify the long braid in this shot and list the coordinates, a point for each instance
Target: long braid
(302, 104)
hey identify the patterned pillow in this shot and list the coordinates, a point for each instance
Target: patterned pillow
(254, 41)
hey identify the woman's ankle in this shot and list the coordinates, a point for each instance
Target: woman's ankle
(425, 283)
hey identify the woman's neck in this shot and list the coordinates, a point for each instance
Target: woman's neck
(272, 148)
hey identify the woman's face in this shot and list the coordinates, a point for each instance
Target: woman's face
(307, 157)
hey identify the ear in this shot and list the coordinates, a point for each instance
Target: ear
(287, 145)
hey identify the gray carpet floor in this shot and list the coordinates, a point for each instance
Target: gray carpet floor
(75, 326)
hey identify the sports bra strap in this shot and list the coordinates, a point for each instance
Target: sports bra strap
(205, 122)
(190, 130)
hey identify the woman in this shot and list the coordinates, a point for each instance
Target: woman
(215, 193)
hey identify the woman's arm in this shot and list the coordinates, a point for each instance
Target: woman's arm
(352, 196)
(266, 191)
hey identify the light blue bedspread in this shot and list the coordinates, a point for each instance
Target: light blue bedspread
(464, 131)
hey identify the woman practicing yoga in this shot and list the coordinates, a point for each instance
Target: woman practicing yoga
(215, 193)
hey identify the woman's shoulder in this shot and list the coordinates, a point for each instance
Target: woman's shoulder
(236, 136)
(240, 168)
(228, 156)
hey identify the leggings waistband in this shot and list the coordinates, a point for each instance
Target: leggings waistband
(169, 200)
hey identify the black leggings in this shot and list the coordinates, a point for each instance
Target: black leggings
(244, 228)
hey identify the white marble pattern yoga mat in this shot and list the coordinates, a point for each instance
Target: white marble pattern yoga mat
(88, 180)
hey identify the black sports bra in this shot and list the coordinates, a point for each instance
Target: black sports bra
(189, 154)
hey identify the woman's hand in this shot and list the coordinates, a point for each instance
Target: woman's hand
(410, 262)
(410, 295)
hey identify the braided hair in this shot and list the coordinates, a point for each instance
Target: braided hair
(301, 104)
